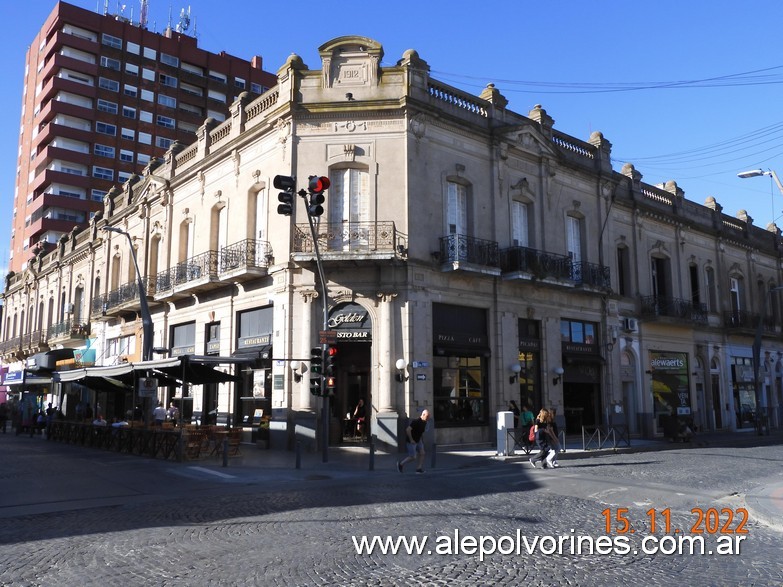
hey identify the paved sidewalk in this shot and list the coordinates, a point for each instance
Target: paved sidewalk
(356, 458)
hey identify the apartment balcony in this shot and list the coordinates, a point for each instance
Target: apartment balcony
(34, 342)
(246, 259)
(527, 263)
(663, 307)
(459, 252)
(11, 350)
(189, 276)
(353, 241)
(123, 299)
(68, 332)
(741, 320)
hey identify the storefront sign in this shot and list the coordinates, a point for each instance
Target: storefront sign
(670, 384)
(351, 323)
(251, 341)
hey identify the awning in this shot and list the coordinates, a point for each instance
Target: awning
(192, 369)
(253, 352)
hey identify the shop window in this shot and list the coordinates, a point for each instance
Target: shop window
(460, 390)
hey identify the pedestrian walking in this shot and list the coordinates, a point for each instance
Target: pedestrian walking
(526, 421)
(159, 414)
(415, 442)
(543, 427)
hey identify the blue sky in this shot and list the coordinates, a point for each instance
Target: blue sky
(688, 91)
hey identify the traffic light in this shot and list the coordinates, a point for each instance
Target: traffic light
(330, 366)
(316, 187)
(286, 197)
(316, 366)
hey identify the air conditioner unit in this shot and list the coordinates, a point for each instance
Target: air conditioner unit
(69, 308)
(630, 324)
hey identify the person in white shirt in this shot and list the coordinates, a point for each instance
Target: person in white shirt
(159, 414)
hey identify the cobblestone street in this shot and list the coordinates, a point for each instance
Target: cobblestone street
(74, 516)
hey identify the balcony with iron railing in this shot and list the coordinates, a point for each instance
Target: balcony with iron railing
(35, 341)
(188, 276)
(524, 262)
(246, 259)
(656, 307)
(68, 331)
(350, 240)
(11, 349)
(744, 320)
(467, 253)
(123, 299)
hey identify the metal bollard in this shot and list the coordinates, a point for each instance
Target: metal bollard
(373, 438)
(225, 452)
(298, 454)
(434, 452)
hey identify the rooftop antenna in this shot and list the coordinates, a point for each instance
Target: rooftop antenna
(184, 21)
(143, 14)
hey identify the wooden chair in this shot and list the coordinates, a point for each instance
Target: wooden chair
(193, 443)
(234, 439)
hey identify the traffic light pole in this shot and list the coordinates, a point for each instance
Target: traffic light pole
(322, 279)
(315, 188)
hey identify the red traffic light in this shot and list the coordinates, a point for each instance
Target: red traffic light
(318, 184)
(331, 351)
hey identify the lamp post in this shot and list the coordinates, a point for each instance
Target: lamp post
(146, 318)
(757, 359)
(759, 173)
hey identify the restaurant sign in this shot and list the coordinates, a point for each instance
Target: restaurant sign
(351, 322)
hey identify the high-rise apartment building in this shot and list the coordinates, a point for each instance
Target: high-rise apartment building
(102, 96)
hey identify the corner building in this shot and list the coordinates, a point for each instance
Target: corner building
(487, 254)
(102, 97)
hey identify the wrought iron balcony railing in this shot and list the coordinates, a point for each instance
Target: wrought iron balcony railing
(352, 238)
(195, 269)
(459, 247)
(34, 340)
(11, 346)
(544, 265)
(747, 320)
(246, 254)
(674, 308)
(125, 294)
(68, 329)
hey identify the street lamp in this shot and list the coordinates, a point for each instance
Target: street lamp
(759, 173)
(757, 359)
(146, 319)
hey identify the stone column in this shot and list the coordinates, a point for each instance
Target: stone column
(306, 399)
(386, 361)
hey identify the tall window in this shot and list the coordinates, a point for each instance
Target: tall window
(712, 294)
(349, 205)
(574, 246)
(735, 294)
(519, 224)
(457, 209)
(623, 271)
(574, 238)
(695, 289)
(660, 277)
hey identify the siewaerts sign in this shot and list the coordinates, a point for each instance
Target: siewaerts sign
(351, 322)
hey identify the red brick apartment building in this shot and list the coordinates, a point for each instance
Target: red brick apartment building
(102, 96)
